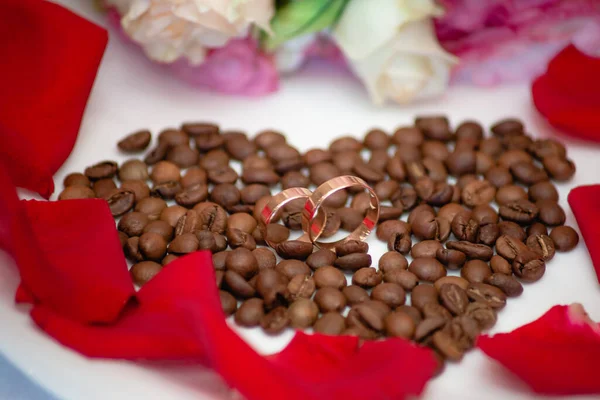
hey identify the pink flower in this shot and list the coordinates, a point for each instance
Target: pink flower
(237, 68)
(513, 40)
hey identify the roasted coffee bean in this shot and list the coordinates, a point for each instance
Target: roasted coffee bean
(172, 214)
(295, 249)
(455, 280)
(509, 247)
(385, 189)
(392, 260)
(321, 258)
(542, 148)
(275, 321)
(188, 223)
(543, 191)
(250, 313)
(136, 141)
(454, 298)
(543, 245)
(76, 192)
(104, 188)
(238, 285)
(152, 207)
(330, 299)
(165, 171)
(206, 241)
(276, 233)
(427, 327)
(256, 161)
(102, 170)
(251, 193)
(152, 246)
(173, 137)
(122, 239)
(157, 154)
(488, 234)
(303, 313)
(483, 314)
(405, 198)
(291, 268)
(426, 248)
(193, 176)
(214, 159)
(183, 244)
(485, 214)
(472, 250)
(536, 229)
(508, 126)
(391, 294)
(463, 330)
(376, 139)
(469, 130)
(160, 227)
(509, 228)
(550, 212)
(475, 271)
(529, 266)
(435, 127)
(477, 193)
(264, 176)
(133, 170)
(121, 202)
(355, 294)
(132, 249)
(350, 219)
(300, 286)
(499, 176)
(226, 195)
(169, 258)
(564, 237)
(507, 283)
(464, 180)
(139, 188)
(435, 149)
(369, 314)
(240, 148)
(345, 143)
(345, 160)
(396, 170)
(427, 227)
(452, 259)
(361, 202)
(435, 310)
(315, 156)
(559, 168)
(491, 146)
(483, 162)
(321, 172)
(224, 174)
(387, 228)
(509, 194)
(367, 277)
(367, 173)
(143, 271)
(183, 155)
(378, 160)
(408, 135)
(192, 195)
(243, 262)
(412, 312)
(427, 269)
(328, 276)
(465, 227)
(271, 286)
(487, 294)
(399, 324)
(219, 260)
(332, 225)
(213, 217)
(265, 258)
(166, 190)
(351, 246)
(461, 162)
(407, 280)
(449, 211)
(423, 294)
(228, 302)
(353, 262)
(447, 346)
(243, 222)
(76, 179)
(511, 157)
(389, 213)
(267, 138)
(331, 323)
(528, 173)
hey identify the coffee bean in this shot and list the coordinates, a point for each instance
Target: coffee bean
(483, 314)
(139, 188)
(385, 189)
(499, 176)
(350, 247)
(332, 224)
(188, 223)
(487, 294)
(564, 237)
(391, 294)
(447, 346)
(478, 193)
(395, 169)
(537, 229)
(488, 234)
(303, 313)
(507, 283)
(500, 265)
(461, 162)
(368, 314)
(291, 268)
(426, 248)
(475, 271)
(321, 258)
(559, 168)
(76, 179)
(214, 159)
(427, 269)
(376, 139)
(206, 241)
(133, 170)
(543, 245)
(251, 193)
(104, 188)
(543, 191)
(435, 310)
(121, 202)
(264, 176)
(223, 174)
(542, 148)
(76, 192)
(509, 247)
(330, 299)
(491, 146)
(136, 141)
(169, 258)
(520, 211)
(328, 276)
(511, 157)
(367, 173)
(454, 298)
(331, 323)
(465, 227)
(550, 212)
(427, 327)
(275, 321)
(228, 302)
(407, 280)
(271, 286)
(367, 277)
(238, 285)
(250, 313)
(508, 126)
(219, 260)
(213, 217)
(512, 229)
(132, 249)
(143, 271)
(345, 143)
(300, 286)
(243, 262)
(434, 127)
(463, 330)
(172, 214)
(392, 260)
(353, 262)
(528, 173)
(183, 244)
(166, 190)
(152, 246)
(427, 227)
(455, 280)
(192, 195)
(386, 229)
(529, 266)
(102, 170)
(165, 171)
(295, 249)
(472, 250)
(399, 324)
(152, 207)
(452, 259)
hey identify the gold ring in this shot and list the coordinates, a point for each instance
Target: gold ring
(276, 203)
(313, 221)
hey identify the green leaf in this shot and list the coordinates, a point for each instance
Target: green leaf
(301, 17)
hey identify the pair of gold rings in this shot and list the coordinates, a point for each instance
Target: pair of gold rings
(314, 218)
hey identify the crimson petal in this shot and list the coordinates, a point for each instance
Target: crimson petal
(586, 208)
(51, 59)
(558, 354)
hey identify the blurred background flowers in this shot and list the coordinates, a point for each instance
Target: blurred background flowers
(402, 50)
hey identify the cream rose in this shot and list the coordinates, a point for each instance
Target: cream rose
(392, 47)
(172, 29)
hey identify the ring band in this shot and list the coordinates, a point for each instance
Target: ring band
(313, 221)
(276, 203)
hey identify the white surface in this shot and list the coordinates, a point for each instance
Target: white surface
(311, 108)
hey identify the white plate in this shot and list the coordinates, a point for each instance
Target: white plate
(312, 108)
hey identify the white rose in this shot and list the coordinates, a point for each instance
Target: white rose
(392, 47)
(171, 29)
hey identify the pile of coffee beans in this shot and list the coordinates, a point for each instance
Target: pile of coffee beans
(483, 218)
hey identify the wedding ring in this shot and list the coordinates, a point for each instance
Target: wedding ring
(314, 218)
(278, 201)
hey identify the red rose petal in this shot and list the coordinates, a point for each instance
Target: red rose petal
(51, 59)
(568, 94)
(586, 208)
(558, 354)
